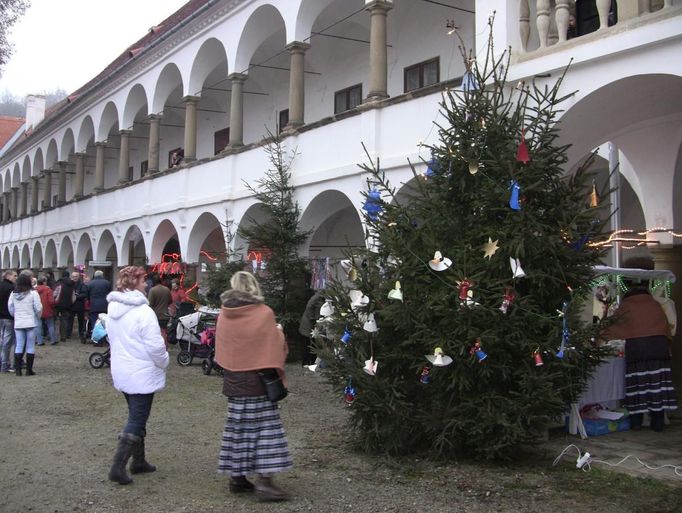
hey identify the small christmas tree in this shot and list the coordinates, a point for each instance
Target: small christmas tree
(480, 268)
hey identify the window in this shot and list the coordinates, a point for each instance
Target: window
(348, 98)
(221, 139)
(423, 74)
(175, 157)
(144, 168)
(130, 173)
(283, 119)
(55, 200)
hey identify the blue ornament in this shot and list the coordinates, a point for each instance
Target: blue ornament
(347, 335)
(432, 168)
(372, 205)
(515, 191)
(349, 393)
(469, 82)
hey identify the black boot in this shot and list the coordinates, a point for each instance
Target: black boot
(18, 363)
(657, 420)
(118, 473)
(267, 491)
(139, 464)
(636, 421)
(29, 365)
(239, 484)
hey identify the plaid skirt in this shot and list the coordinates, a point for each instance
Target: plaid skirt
(649, 386)
(253, 439)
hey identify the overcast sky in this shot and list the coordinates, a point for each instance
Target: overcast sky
(65, 43)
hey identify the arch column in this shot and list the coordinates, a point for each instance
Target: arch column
(124, 156)
(297, 51)
(80, 175)
(47, 193)
(99, 166)
(670, 258)
(154, 137)
(378, 55)
(61, 190)
(24, 199)
(237, 109)
(35, 188)
(190, 148)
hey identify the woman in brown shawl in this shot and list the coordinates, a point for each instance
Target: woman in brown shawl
(248, 339)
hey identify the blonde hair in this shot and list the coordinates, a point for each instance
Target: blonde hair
(246, 282)
(128, 278)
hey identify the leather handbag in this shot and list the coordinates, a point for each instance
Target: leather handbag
(274, 387)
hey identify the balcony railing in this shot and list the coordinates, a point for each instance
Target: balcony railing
(557, 21)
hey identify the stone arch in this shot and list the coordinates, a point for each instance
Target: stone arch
(210, 56)
(134, 250)
(16, 175)
(308, 12)
(106, 248)
(168, 82)
(163, 235)
(16, 262)
(6, 258)
(263, 23)
(38, 162)
(86, 133)
(37, 258)
(25, 260)
(26, 169)
(68, 145)
(335, 225)
(136, 101)
(206, 236)
(51, 261)
(66, 256)
(255, 213)
(52, 154)
(83, 250)
(7, 182)
(108, 121)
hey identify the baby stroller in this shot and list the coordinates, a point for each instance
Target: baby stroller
(189, 334)
(182, 309)
(210, 364)
(99, 337)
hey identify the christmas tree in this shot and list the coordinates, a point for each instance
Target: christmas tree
(458, 331)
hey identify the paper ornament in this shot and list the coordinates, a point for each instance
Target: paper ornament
(473, 167)
(522, 152)
(371, 366)
(490, 248)
(358, 299)
(439, 262)
(517, 271)
(327, 308)
(515, 189)
(370, 324)
(315, 365)
(425, 376)
(349, 393)
(438, 358)
(507, 300)
(396, 293)
(373, 205)
(350, 270)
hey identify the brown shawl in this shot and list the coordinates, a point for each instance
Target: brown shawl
(247, 336)
(639, 315)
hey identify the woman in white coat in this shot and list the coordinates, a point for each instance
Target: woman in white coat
(25, 305)
(138, 366)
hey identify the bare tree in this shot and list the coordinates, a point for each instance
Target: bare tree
(10, 12)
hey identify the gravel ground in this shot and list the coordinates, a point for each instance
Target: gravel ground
(58, 433)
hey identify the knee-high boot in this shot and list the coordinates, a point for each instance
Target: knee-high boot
(139, 464)
(29, 364)
(18, 357)
(118, 473)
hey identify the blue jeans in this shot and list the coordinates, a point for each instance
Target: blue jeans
(27, 337)
(51, 334)
(6, 343)
(139, 407)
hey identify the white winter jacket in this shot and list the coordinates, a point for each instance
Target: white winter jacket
(25, 307)
(138, 352)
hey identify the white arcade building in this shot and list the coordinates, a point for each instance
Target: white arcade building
(92, 181)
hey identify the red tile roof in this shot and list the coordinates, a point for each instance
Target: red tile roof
(8, 127)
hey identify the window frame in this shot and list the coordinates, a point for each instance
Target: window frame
(347, 92)
(420, 67)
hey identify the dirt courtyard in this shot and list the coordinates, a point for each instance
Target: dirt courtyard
(58, 433)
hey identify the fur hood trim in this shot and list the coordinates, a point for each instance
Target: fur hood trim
(243, 297)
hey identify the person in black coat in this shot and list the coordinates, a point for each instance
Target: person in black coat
(98, 288)
(6, 321)
(63, 291)
(78, 306)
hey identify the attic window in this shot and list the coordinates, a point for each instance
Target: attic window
(72, 98)
(155, 29)
(134, 52)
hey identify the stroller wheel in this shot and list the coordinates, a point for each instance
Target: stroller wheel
(96, 360)
(206, 367)
(184, 358)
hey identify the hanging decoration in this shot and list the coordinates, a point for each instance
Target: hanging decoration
(594, 197)
(489, 248)
(347, 335)
(431, 168)
(538, 358)
(370, 324)
(464, 287)
(349, 393)
(439, 262)
(469, 82)
(396, 292)
(357, 299)
(515, 189)
(522, 154)
(425, 376)
(327, 309)
(371, 366)
(507, 300)
(373, 204)
(517, 271)
(478, 351)
(473, 167)
(438, 358)
(349, 267)
(564, 331)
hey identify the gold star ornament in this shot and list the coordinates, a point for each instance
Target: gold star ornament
(489, 248)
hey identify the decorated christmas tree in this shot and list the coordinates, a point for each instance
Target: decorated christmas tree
(458, 331)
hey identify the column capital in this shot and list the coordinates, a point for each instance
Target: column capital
(79, 154)
(237, 77)
(191, 99)
(297, 47)
(155, 117)
(62, 163)
(101, 143)
(125, 131)
(372, 5)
